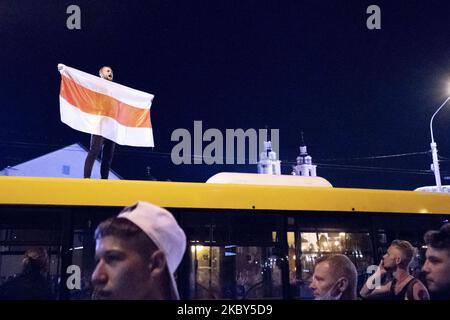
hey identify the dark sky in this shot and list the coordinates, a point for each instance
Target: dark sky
(310, 66)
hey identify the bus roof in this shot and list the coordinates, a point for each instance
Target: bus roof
(89, 192)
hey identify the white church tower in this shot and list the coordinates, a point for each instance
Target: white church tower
(304, 165)
(268, 163)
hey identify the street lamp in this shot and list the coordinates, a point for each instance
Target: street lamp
(435, 165)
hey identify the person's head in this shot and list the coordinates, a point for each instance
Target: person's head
(398, 255)
(137, 253)
(106, 72)
(334, 278)
(437, 263)
(35, 260)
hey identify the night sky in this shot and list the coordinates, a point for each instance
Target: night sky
(310, 66)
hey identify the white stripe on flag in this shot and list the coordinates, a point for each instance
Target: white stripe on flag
(130, 96)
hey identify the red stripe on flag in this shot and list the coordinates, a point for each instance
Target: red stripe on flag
(100, 104)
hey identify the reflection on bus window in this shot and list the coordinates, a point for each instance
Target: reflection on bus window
(235, 272)
(11, 264)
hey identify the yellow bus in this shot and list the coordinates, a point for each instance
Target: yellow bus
(245, 240)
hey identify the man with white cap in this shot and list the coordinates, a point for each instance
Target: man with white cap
(137, 253)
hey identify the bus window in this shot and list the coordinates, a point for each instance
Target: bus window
(13, 245)
(235, 272)
(306, 247)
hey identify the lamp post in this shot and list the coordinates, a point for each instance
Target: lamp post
(435, 165)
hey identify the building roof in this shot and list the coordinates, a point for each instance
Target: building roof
(67, 162)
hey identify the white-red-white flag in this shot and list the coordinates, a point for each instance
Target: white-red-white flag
(97, 106)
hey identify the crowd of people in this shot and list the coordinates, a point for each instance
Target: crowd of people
(138, 252)
(335, 276)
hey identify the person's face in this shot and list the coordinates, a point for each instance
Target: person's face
(390, 259)
(120, 273)
(437, 269)
(322, 280)
(107, 73)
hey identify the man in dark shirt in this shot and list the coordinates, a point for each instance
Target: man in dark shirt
(403, 286)
(32, 283)
(99, 143)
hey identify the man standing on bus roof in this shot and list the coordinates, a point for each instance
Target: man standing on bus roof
(99, 143)
(334, 278)
(137, 254)
(403, 286)
(437, 263)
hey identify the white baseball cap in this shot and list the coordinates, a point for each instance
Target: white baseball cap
(162, 228)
